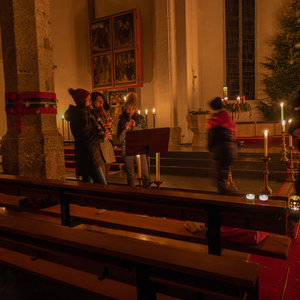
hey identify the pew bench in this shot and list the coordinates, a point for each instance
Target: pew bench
(151, 264)
(215, 210)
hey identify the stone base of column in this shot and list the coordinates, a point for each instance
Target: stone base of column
(36, 152)
(175, 137)
(196, 123)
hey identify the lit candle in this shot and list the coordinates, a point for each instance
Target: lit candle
(250, 197)
(146, 112)
(224, 91)
(226, 100)
(243, 99)
(63, 126)
(290, 140)
(138, 165)
(283, 126)
(157, 166)
(281, 105)
(139, 112)
(153, 117)
(266, 143)
(238, 100)
(263, 197)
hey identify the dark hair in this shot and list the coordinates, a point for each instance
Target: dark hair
(94, 95)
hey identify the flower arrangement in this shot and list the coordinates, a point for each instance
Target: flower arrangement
(237, 108)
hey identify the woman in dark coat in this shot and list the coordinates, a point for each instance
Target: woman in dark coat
(221, 130)
(87, 137)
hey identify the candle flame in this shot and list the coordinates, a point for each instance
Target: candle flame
(62, 116)
(153, 110)
(139, 112)
(266, 132)
(290, 121)
(281, 104)
(283, 122)
(146, 111)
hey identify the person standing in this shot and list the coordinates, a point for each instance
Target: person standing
(131, 120)
(87, 135)
(221, 130)
(102, 108)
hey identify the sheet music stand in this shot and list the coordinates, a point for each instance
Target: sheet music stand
(146, 142)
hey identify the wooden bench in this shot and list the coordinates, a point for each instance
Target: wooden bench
(152, 264)
(213, 209)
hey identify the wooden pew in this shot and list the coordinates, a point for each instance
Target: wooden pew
(214, 209)
(152, 264)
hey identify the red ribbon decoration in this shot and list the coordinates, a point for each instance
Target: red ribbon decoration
(19, 110)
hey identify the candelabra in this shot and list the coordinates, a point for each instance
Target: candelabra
(266, 189)
(230, 184)
(291, 172)
(283, 151)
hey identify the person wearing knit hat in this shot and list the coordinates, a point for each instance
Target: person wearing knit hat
(221, 131)
(88, 136)
(101, 108)
(131, 120)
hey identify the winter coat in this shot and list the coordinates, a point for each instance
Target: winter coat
(221, 130)
(87, 137)
(123, 119)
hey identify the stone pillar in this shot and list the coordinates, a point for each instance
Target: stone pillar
(32, 145)
(196, 124)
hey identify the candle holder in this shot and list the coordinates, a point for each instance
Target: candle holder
(283, 151)
(291, 171)
(266, 189)
(158, 183)
(230, 184)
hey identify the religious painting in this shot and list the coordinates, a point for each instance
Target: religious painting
(125, 71)
(117, 97)
(124, 31)
(100, 35)
(102, 70)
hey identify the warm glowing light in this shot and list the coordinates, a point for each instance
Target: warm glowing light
(263, 197)
(139, 112)
(281, 104)
(153, 110)
(62, 116)
(125, 98)
(290, 121)
(146, 112)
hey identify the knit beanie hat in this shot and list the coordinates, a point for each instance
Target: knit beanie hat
(131, 100)
(216, 104)
(79, 95)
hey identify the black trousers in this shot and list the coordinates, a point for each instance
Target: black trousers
(221, 175)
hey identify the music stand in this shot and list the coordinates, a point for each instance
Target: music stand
(146, 142)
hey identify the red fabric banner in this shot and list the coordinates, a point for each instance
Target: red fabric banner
(20, 110)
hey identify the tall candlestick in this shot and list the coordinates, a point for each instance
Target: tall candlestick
(138, 165)
(281, 105)
(157, 166)
(63, 126)
(290, 141)
(266, 144)
(153, 117)
(283, 126)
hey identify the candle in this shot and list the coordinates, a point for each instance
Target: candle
(224, 91)
(243, 99)
(238, 100)
(263, 197)
(250, 198)
(226, 100)
(146, 112)
(283, 126)
(138, 165)
(266, 144)
(153, 117)
(139, 112)
(157, 166)
(63, 126)
(290, 140)
(281, 105)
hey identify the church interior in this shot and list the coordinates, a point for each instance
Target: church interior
(62, 237)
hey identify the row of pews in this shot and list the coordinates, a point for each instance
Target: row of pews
(134, 239)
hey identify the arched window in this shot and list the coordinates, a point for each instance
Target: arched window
(240, 48)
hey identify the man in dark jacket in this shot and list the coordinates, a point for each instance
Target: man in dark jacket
(88, 136)
(221, 130)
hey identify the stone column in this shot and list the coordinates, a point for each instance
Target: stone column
(32, 145)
